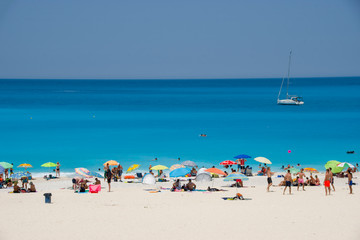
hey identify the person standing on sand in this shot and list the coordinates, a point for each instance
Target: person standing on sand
(150, 171)
(287, 180)
(327, 182)
(120, 171)
(57, 171)
(108, 177)
(106, 168)
(269, 180)
(301, 179)
(350, 180)
(332, 179)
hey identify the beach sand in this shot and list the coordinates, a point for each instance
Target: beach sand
(131, 212)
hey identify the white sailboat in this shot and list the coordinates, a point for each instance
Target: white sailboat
(290, 99)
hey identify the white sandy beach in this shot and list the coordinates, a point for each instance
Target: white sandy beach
(131, 212)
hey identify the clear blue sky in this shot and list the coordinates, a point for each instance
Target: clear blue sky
(128, 39)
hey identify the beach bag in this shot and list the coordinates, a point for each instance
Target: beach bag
(94, 188)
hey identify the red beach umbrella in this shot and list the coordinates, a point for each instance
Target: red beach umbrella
(228, 162)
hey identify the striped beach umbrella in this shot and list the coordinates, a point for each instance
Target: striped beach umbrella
(83, 172)
(176, 166)
(345, 165)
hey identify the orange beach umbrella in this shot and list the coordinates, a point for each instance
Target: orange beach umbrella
(215, 171)
(111, 163)
(311, 170)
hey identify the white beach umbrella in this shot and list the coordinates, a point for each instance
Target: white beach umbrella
(345, 165)
(262, 160)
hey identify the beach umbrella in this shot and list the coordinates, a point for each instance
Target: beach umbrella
(83, 172)
(49, 164)
(236, 176)
(242, 156)
(228, 162)
(345, 165)
(95, 174)
(189, 164)
(215, 171)
(175, 166)
(262, 160)
(2, 169)
(333, 164)
(111, 163)
(25, 165)
(311, 170)
(133, 167)
(203, 177)
(294, 170)
(19, 175)
(159, 167)
(6, 165)
(180, 172)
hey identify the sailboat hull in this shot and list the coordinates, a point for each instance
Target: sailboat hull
(289, 102)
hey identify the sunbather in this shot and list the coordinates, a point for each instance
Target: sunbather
(190, 186)
(16, 188)
(32, 187)
(176, 185)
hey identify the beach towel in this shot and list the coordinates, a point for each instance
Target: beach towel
(94, 188)
(235, 198)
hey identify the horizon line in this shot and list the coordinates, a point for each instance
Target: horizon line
(182, 79)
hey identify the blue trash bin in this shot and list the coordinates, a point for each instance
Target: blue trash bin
(47, 197)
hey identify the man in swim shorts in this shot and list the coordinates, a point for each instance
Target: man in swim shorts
(287, 179)
(301, 179)
(269, 180)
(350, 182)
(327, 182)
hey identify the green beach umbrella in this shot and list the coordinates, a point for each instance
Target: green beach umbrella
(333, 165)
(6, 165)
(294, 170)
(49, 164)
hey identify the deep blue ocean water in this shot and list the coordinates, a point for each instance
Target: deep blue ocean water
(83, 123)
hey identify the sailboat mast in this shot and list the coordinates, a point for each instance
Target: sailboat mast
(288, 77)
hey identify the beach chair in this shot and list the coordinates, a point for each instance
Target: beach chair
(248, 172)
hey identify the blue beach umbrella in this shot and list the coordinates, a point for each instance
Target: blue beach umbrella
(19, 175)
(180, 172)
(242, 156)
(95, 174)
(236, 176)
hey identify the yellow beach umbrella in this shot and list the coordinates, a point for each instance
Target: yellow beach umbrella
(159, 167)
(311, 170)
(133, 167)
(111, 163)
(25, 165)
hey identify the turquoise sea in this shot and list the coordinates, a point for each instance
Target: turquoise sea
(83, 123)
